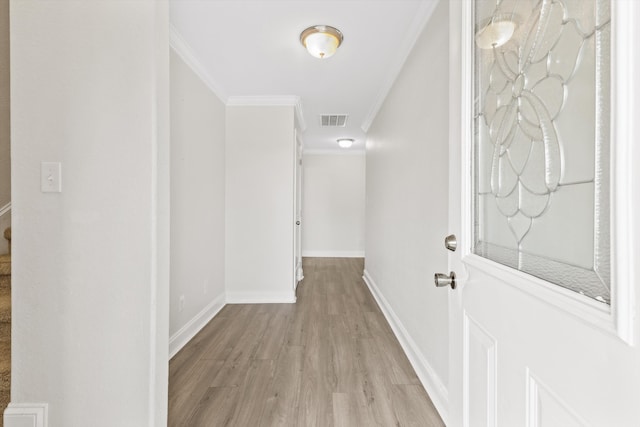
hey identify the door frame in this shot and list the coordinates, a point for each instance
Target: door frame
(298, 186)
(618, 319)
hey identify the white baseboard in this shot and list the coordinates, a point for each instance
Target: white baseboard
(26, 415)
(188, 331)
(261, 298)
(333, 254)
(427, 375)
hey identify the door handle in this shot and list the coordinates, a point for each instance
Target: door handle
(442, 280)
(297, 222)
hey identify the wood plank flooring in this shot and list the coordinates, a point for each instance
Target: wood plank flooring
(331, 359)
(5, 332)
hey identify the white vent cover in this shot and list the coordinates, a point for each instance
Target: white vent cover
(333, 120)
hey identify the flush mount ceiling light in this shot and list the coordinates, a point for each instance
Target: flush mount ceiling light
(321, 41)
(345, 142)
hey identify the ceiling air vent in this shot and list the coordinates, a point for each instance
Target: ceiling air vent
(333, 120)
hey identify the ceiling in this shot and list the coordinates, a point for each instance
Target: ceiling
(251, 49)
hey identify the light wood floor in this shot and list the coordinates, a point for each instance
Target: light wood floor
(328, 360)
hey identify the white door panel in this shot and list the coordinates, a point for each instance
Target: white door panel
(479, 369)
(531, 344)
(524, 351)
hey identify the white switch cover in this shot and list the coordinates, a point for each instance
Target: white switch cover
(51, 177)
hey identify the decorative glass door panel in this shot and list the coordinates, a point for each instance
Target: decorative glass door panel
(542, 140)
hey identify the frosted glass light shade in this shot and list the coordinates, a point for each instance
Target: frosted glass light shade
(495, 34)
(321, 41)
(345, 143)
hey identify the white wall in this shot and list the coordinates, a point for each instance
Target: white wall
(260, 156)
(90, 89)
(5, 128)
(197, 203)
(333, 204)
(407, 203)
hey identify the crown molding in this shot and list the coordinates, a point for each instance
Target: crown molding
(277, 100)
(404, 49)
(184, 51)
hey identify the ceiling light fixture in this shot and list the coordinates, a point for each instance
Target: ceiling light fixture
(345, 142)
(321, 41)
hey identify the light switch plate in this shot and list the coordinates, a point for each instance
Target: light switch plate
(51, 177)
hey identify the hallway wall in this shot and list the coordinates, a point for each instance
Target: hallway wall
(407, 200)
(333, 204)
(90, 89)
(259, 203)
(197, 203)
(5, 125)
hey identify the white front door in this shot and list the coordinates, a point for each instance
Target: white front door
(525, 351)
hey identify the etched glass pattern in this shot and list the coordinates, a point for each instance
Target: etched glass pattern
(541, 139)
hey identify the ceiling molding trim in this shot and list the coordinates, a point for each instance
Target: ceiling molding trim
(278, 100)
(334, 152)
(184, 51)
(273, 101)
(404, 50)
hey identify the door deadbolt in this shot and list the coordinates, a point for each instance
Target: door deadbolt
(451, 242)
(442, 280)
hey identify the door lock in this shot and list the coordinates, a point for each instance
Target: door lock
(451, 243)
(442, 280)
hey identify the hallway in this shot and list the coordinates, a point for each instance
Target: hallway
(328, 360)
